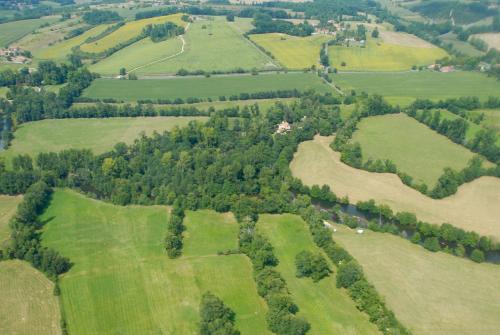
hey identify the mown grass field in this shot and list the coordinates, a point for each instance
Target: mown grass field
(12, 31)
(201, 87)
(207, 42)
(28, 304)
(379, 55)
(328, 309)
(291, 51)
(122, 281)
(404, 88)
(99, 135)
(473, 207)
(8, 206)
(61, 50)
(412, 146)
(128, 31)
(431, 293)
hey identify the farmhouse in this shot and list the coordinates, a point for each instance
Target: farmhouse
(283, 127)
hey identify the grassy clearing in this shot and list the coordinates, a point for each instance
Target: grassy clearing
(412, 146)
(129, 31)
(291, 51)
(443, 294)
(473, 207)
(8, 206)
(124, 283)
(328, 309)
(28, 304)
(379, 55)
(99, 135)
(12, 31)
(201, 87)
(404, 88)
(491, 119)
(59, 51)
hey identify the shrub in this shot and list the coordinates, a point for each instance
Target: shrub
(477, 256)
(311, 265)
(348, 274)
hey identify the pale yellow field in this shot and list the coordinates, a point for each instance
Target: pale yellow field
(493, 39)
(129, 31)
(28, 305)
(404, 39)
(61, 50)
(8, 206)
(430, 293)
(473, 207)
(291, 51)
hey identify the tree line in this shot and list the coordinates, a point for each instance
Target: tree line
(216, 317)
(173, 239)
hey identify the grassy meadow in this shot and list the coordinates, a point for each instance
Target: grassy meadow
(430, 293)
(129, 31)
(328, 309)
(404, 88)
(12, 31)
(8, 206)
(99, 135)
(412, 146)
(201, 87)
(491, 119)
(473, 207)
(291, 51)
(379, 55)
(28, 304)
(122, 281)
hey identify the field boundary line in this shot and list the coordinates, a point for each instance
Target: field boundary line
(181, 37)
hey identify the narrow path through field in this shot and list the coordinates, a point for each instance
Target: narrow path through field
(168, 57)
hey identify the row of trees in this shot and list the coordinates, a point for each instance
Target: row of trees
(264, 23)
(173, 239)
(216, 317)
(95, 17)
(311, 265)
(25, 240)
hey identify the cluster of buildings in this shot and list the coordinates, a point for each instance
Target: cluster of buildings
(14, 55)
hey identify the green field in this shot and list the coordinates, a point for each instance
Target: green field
(122, 281)
(491, 119)
(8, 206)
(28, 304)
(99, 135)
(201, 87)
(413, 147)
(291, 51)
(473, 207)
(431, 293)
(12, 31)
(328, 309)
(207, 42)
(461, 46)
(378, 55)
(404, 88)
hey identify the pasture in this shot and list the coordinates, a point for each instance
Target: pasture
(443, 294)
(390, 53)
(473, 207)
(128, 31)
(201, 87)
(327, 308)
(291, 51)
(28, 304)
(12, 31)
(8, 206)
(122, 281)
(412, 146)
(207, 42)
(404, 88)
(61, 50)
(98, 135)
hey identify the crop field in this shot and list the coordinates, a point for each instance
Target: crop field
(128, 31)
(207, 42)
(60, 50)
(99, 135)
(201, 87)
(28, 304)
(404, 88)
(118, 257)
(473, 207)
(391, 54)
(8, 206)
(12, 31)
(291, 51)
(412, 146)
(443, 294)
(327, 308)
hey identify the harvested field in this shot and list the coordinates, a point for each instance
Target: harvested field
(8, 206)
(492, 39)
(404, 39)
